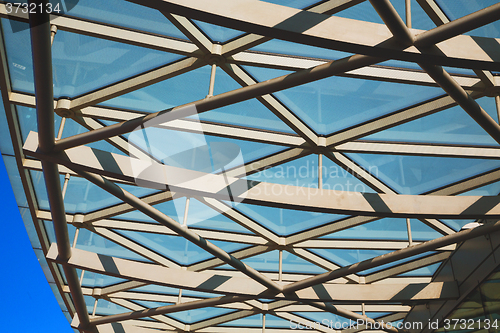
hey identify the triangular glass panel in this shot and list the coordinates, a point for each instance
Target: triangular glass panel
(189, 316)
(89, 241)
(387, 229)
(218, 33)
(178, 90)
(423, 271)
(162, 290)
(127, 14)
(285, 222)
(38, 182)
(264, 262)
(172, 208)
(83, 196)
(256, 321)
(18, 51)
(298, 4)
(83, 63)
(421, 174)
(104, 307)
(339, 179)
(327, 105)
(91, 280)
(178, 248)
(279, 46)
(71, 128)
(201, 216)
(250, 113)
(299, 172)
(450, 126)
(293, 264)
(345, 257)
(28, 121)
(199, 151)
(395, 263)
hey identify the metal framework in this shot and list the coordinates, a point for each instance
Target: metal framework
(385, 285)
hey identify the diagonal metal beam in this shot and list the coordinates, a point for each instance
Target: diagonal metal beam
(393, 256)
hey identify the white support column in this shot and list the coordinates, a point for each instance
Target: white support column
(320, 171)
(408, 227)
(497, 102)
(281, 266)
(408, 13)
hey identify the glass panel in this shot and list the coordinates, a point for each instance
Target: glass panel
(387, 229)
(424, 271)
(40, 189)
(30, 228)
(43, 263)
(339, 179)
(256, 321)
(460, 8)
(217, 33)
(183, 89)
(249, 113)
(300, 172)
(203, 217)
(452, 125)
(49, 230)
(421, 174)
(190, 316)
(18, 49)
(177, 248)
(299, 4)
(327, 105)
(173, 208)
(28, 121)
(91, 279)
(83, 196)
(15, 180)
(286, 221)
(92, 242)
(200, 152)
(289, 48)
(173, 291)
(264, 262)
(83, 63)
(345, 257)
(125, 14)
(104, 308)
(294, 264)
(5, 140)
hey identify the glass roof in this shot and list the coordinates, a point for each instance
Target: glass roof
(179, 131)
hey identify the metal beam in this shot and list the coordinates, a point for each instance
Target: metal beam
(322, 30)
(42, 69)
(275, 195)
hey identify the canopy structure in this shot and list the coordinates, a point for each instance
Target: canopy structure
(258, 166)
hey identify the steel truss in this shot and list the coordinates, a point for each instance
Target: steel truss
(341, 290)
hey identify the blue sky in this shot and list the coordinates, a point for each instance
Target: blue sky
(28, 304)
